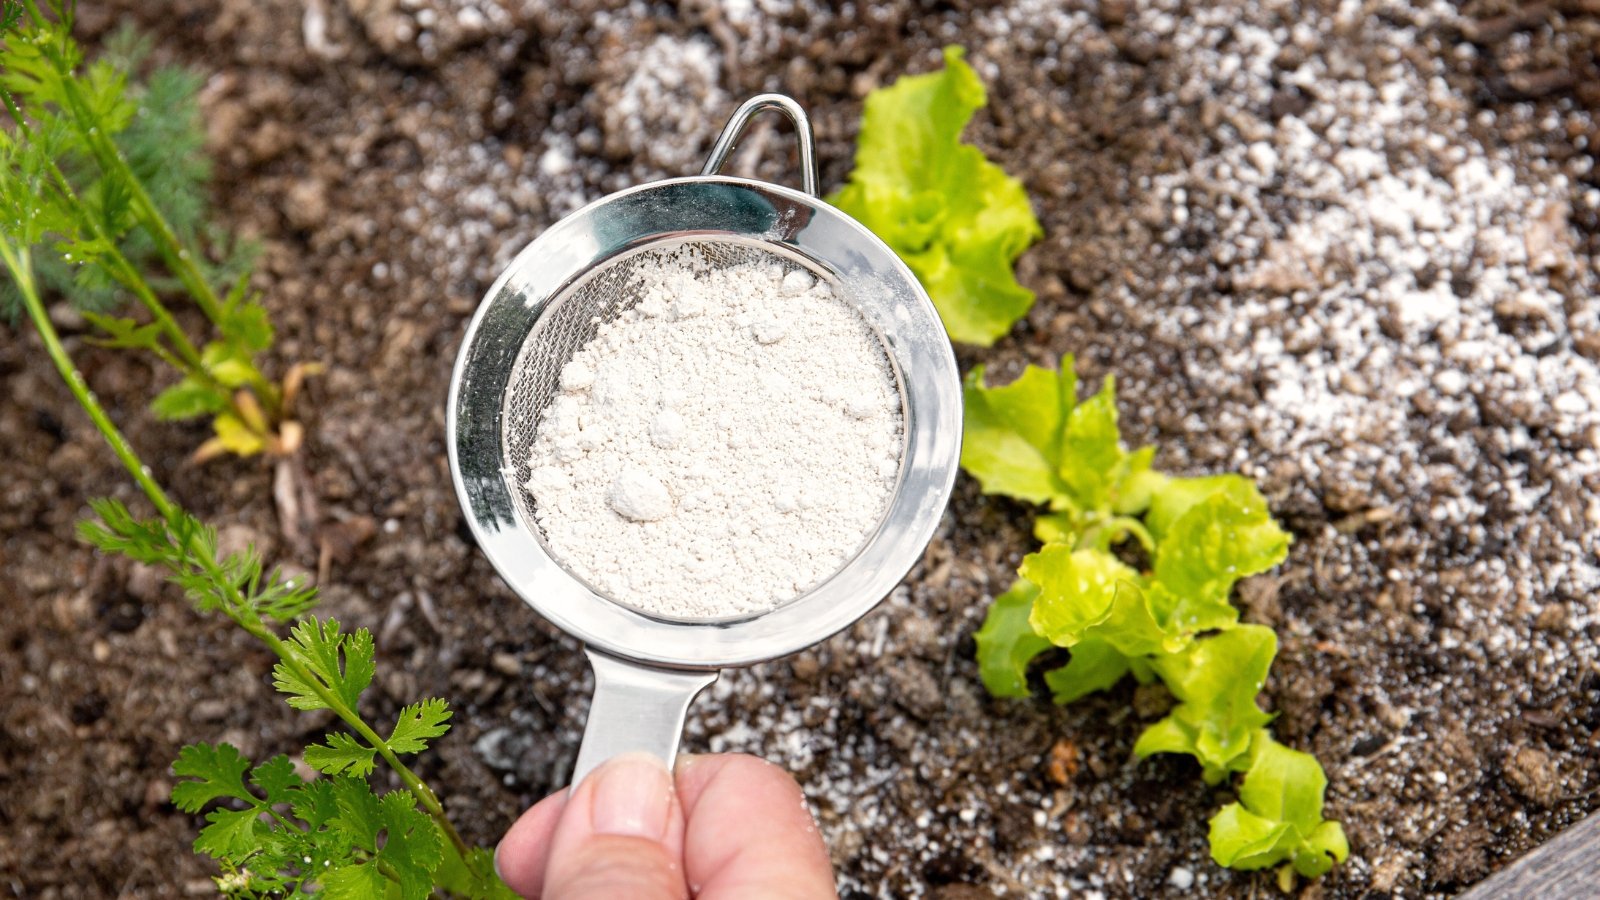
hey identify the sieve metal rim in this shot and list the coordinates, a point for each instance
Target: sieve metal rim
(742, 209)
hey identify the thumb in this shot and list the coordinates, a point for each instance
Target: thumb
(620, 835)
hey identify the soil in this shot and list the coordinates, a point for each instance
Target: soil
(1406, 360)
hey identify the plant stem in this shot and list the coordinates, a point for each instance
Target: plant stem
(177, 257)
(123, 269)
(191, 363)
(1108, 530)
(19, 264)
(173, 252)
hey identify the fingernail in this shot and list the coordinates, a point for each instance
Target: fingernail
(633, 796)
(497, 873)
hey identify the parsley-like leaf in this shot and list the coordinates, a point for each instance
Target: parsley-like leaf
(393, 831)
(188, 399)
(216, 770)
(411, 844)
(230, 834)
(244, 319)
(341, 664)
(341, 754)
(957, 220)
(278, 780)
(419, 723)
(228, 364)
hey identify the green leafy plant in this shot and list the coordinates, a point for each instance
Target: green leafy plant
(111, 175)
(1137, 568)
(277, 833)
(1134, 578)
(274, 832)
(957, 219)
(1277, 820)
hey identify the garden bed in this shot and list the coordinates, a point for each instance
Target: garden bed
(1348, 252)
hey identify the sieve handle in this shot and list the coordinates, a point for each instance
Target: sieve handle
(635, 708)
(740, 120)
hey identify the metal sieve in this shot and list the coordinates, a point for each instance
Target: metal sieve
(549, 303)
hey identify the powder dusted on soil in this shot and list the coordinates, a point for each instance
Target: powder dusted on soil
(1410, 648)
(722, 446)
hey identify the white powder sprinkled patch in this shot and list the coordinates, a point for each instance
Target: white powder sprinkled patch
(722, 446)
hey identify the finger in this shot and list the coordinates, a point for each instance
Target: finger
(749, 832)
(620, 835)
(523, 852)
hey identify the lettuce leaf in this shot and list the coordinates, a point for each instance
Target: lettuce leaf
(958, 220)
(1077, 590)
(1007, 642)
(1217, 541)
(1216, 680)
(1012, 438)
(1278, 818)
(1095, 665)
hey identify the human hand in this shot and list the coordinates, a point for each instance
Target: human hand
(727, 827)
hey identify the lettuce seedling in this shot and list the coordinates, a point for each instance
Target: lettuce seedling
(957, 219)
(1162, 611)
(1278, 818)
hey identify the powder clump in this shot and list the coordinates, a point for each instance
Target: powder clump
(722, 446)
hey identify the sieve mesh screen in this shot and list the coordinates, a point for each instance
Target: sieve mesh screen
(572, 319)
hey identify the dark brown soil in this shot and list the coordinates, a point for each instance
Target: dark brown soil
(392, 156)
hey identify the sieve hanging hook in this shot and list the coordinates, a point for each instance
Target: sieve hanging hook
(740, 120)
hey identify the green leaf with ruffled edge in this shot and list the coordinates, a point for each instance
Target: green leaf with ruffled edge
(1216, 679)
(1218, 540)
(1007, 642)
(1278, 818)
(1092, 453)
(1011, 439)
(1095, 665)
(957, 220)
(1076, 589)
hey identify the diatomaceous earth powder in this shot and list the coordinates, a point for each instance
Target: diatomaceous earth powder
(722, 446)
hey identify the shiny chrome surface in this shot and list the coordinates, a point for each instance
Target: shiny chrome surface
(740, 120)
(636, 709)
(721, 209)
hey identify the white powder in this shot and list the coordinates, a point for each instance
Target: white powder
(721, 447)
